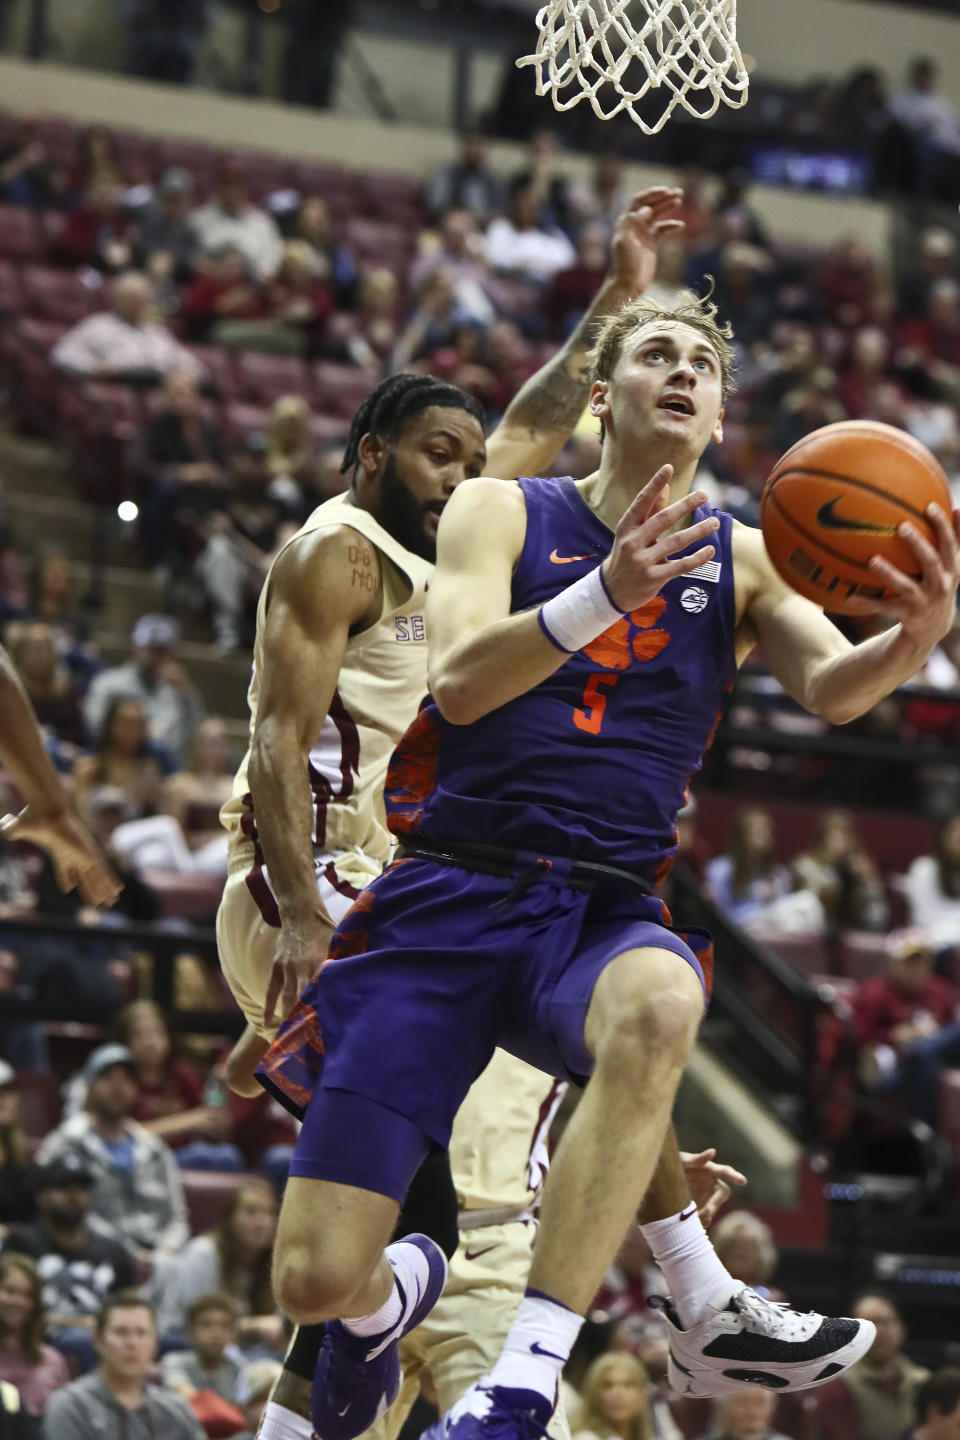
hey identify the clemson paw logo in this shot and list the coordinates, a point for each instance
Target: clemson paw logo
(633, 638)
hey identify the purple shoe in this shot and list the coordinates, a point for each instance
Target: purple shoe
(357, 1377)
(493, 1412)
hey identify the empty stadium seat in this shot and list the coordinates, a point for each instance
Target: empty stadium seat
(218, 366)
(185, 897)
(339, 389)
(11, 292)
(19, 239)
(60, 294)
(328, 429)
(205, 1191)
(262, 379)
(39, 1094)
(861, 954)
(241, 420)
(805, 952)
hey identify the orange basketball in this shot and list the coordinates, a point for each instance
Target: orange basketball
(836, 498)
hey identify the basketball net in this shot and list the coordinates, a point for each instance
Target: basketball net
(594, 49)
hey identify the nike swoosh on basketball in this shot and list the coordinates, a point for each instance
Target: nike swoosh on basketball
(827, 517)
(556, 559)
(475, 1254)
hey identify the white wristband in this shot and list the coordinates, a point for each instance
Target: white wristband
(579, 614)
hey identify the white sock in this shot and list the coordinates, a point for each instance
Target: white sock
(279, 1423)
(381, 1320)
(537, 1347)
(691, 1267)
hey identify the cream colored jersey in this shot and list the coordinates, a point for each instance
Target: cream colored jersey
(382, 680)
(498, 1149)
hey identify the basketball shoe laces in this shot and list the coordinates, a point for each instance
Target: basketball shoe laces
(768, 1317)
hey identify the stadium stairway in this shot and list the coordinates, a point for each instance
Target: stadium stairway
(42, 509)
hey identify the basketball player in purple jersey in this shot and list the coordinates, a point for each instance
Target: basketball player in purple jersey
(535, 798)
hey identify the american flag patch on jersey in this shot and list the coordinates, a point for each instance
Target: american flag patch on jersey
(709, 570)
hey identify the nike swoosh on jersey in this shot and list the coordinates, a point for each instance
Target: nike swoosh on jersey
(475, 1254)
(827, 517)
(556, 559)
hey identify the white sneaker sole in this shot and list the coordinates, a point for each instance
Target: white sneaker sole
(692, 1377)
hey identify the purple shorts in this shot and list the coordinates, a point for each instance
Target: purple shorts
(431, 969)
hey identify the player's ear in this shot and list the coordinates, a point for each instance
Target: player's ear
(370, 453)
(598, 402)
(717, 432)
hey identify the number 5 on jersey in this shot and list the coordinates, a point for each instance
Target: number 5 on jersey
(590, 718)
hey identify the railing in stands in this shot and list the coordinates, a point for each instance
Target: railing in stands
(771, 1010)
(161, 945)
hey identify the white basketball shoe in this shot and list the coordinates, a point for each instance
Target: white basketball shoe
(744, 1339)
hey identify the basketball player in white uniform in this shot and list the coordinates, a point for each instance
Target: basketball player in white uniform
(339, 670)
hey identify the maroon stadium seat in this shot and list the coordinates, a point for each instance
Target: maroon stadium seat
(186, 897)
(241, 420)
(382, 242)
(262, 379)
(18, 233)
(205, 1192)
(328, 429)
(808, 953)
(218, 364)
(861, 954)
(11, 291)
(339, 389)
(39, 1095)
(50, 223)
(60, 294)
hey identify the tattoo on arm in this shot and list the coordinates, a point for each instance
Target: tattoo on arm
(363, 575)
(553, 398)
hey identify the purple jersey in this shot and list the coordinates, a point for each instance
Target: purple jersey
(593, 763)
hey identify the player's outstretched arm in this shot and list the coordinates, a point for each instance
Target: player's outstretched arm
(321, 586)
(541, 417)
(481, 656)
(816, 664)
(46, 819)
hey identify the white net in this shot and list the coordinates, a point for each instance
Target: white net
(644, 57)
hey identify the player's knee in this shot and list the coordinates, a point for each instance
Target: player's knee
(649, 1027)
(310, 1290)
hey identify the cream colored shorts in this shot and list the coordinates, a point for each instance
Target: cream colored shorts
(462, 1337)
(246, 942)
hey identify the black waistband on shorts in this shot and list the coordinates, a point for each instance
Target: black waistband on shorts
(526, 866)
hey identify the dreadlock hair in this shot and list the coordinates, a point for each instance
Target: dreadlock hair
(393, 402)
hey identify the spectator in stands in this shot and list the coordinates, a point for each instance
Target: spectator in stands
(932, 888)
(312, 224)
(17, 1172)
(745, 1246)
(458, 250)
(466, 184)
(233, 1260)
(572, 290)
(164, 242)
(607, 195)
(845, 281)
(96, 231)
(876, 1399)
(433, 324)
(223, 298)
(299, 298)
(624, 1296)
(229, 219)
(81, 1266)
(36, 1369)
(156, 680)
(930, 118)
(25, 170)
(368, 334)
(518, 245)
(906, 1025)
(745, 1414)
(213, 1361)
(118, 1399)
(939, 260)
(184, 467)
(742, 292)
(122, 760)
(170, 1102)
(47, 680)
(255, 1386)
(748, 878)
(96, 161)
(732, 208)
(508, 355)
(291, 454)
(846, 881)
(194, 795)
(124, 342)
(53, 601)
(107, 810)
(614, 1401)
(867, 367)
(938, 1407)
(138, 1188)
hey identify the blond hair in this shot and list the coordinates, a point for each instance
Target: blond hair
(743, 1225)
(590, 1417)
(698, 314)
